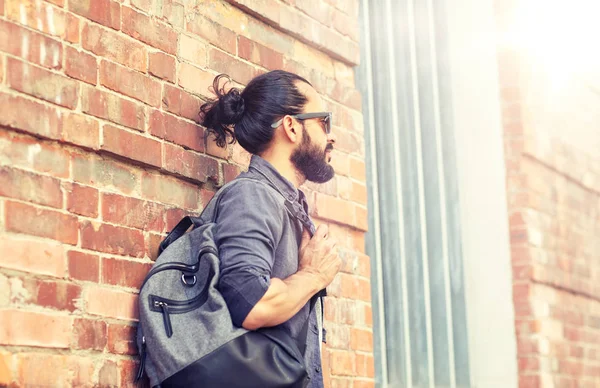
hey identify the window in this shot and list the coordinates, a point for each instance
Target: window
(414, 241)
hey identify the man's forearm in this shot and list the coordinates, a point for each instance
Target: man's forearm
(283, 300)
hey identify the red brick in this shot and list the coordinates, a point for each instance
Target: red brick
(130, 83)
(152, 243)
(338, 336)
(351, 98)
(113, 108)
(174, 14)
(359, 193)
(259, 54)
(174, 215)
(29, 187)
(42, 120)
(81, 130)
(340, 163)
(30, 153)
(82, 200)
(89, 334)
(318, 10)
(131, 145)
(39, 49)
(81, 65)
(6, 359)
(363, 384)
(361, 217)
(190, 164)
(83, 266)
(223, 63)
(178, 131)
(368, 314)
(33, 14)
(112, 239)
(124, 273)
(334, 209)
(213, 32)
(42, 83)
(133, 212)
(109, 374)
(105, 12)
(181, 103)
(270, 37)
(25, 328)
(113, 46)
(72, 30)
(128, 369)
(230, 172)
(196, 80)
(162, 66)
(38, 257)
(169, 190)
(58, 295)
(357, 169)
(93, 170)
(342, 363)
(362, 340)
(82, 369)
(529, 381)
(111, 303)
(21, 218)
(192, 50)
(121, 339)
(362, 364)
(150, 31)
(37, 370)
(345, 25)
(206, 196)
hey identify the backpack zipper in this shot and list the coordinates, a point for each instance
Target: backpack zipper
(140, 372)
(170, 306)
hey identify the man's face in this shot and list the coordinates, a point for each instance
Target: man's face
(313, 154)
(312, 160)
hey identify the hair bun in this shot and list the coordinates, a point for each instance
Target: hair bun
(231, 106)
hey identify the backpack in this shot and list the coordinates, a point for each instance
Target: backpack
(186, 337)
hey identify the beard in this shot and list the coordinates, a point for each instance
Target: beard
(310, 160)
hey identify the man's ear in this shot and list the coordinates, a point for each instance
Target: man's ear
(290, 129)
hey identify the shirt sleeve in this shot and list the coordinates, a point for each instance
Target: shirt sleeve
(249, 227)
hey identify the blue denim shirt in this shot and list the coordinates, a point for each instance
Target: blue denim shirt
(258, 240)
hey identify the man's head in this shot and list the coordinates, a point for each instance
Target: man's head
(278, 113)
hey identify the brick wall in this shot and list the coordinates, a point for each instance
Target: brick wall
(100, 155)
(552, 137)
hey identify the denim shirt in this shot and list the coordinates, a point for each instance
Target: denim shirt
(258, 240)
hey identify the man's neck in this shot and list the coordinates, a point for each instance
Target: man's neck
(286, 168)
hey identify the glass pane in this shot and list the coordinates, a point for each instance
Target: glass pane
(388, 199)
(432, 193)
(457, 291)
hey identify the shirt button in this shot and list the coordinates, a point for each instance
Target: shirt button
(316, 327)
(318, 370)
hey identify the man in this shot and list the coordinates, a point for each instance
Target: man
(270, 265)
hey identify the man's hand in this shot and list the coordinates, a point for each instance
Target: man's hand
(319, 255)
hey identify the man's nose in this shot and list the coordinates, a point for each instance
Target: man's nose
(331, 138)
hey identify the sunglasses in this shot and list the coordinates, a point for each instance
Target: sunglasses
(325, 117)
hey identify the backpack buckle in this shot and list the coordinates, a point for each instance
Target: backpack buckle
(191, 283)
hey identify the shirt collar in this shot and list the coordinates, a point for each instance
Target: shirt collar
(270, 173)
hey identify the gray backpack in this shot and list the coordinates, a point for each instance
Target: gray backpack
(186, 337)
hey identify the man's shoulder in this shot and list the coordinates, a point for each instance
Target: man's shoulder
(253, 191)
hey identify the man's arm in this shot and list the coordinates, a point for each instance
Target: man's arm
(318, 265)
